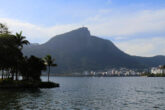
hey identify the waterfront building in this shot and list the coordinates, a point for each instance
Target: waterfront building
(158, 70)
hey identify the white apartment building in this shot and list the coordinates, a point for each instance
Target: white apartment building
(158, 70)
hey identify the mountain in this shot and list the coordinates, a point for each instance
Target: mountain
(78, 50)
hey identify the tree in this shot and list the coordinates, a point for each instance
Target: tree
(24, 68)
(49, 62)
(12, 59)
(31, 68)
(4, 29)
(9, 53)
(21, 40)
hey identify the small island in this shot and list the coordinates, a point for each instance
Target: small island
(17, 70)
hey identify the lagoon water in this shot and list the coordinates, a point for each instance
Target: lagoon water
(90, 93)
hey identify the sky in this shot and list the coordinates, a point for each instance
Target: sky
(137, 27)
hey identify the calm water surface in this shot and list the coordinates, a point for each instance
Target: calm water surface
(90, 93)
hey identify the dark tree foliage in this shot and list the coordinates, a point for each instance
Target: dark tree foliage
(9, 53)
(4, 29)
(31, 68)
(20, 40)
(12, 61)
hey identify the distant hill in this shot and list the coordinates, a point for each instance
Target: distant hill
(78, 50)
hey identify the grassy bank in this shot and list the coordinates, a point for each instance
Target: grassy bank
(11, 84)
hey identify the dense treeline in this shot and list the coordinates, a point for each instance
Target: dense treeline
(12, 61)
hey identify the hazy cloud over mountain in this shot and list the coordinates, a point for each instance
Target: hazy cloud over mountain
(130, 25)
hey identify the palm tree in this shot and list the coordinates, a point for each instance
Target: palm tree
(49, 62)
(21, 40)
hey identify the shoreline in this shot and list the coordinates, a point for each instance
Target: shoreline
(71, 75)
(10, 84)
(97, 76)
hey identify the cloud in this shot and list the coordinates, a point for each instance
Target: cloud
(35, 33)
(108, 25)
(104, 24)
(126, 25)
(143, 47)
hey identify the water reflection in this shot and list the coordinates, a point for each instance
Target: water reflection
(87, 93)
(10, 99)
